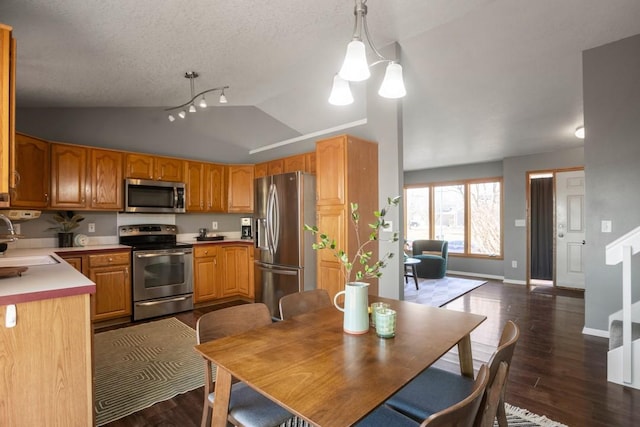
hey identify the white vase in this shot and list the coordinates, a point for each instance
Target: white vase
(356, 307)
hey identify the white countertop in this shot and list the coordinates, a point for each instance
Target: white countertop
(46, 281)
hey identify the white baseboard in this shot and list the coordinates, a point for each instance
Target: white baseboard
(595, 332)
(515, 282)
(466, 273)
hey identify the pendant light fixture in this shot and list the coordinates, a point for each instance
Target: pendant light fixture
(190, 105)
(355, 67)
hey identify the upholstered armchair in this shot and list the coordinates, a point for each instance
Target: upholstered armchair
(433, 256)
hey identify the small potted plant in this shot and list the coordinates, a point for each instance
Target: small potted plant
(66, 221)
(368, 268)
(356, 317)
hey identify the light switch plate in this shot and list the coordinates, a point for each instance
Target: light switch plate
(606, 226)
(10, 317)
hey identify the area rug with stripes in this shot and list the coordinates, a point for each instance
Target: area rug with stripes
(140, 365)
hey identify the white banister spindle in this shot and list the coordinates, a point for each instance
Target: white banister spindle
(627, 358)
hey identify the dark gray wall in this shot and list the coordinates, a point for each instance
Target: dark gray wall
(612, 151)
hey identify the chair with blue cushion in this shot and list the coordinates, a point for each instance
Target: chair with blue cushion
(435, 389)
(460, 414)
(247, 407)
(433, 256)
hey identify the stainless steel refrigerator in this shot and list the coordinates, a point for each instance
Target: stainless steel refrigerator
(285, 261)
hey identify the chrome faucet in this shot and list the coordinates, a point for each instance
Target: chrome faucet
(11, 236)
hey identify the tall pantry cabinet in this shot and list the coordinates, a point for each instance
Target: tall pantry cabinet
(7, 107)
(346, 172)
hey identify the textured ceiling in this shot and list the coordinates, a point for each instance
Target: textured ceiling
(489, 79)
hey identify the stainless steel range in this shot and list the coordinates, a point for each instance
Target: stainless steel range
(162, 270)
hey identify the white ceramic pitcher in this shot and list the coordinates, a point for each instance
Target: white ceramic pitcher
(356, 307)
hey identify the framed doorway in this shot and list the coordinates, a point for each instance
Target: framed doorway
(555, 228)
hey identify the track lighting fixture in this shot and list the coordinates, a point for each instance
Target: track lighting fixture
(355, 67)
(190, 105)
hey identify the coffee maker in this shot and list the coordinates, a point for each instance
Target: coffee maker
(245, 228)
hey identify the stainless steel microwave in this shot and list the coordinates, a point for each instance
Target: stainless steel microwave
(148, 196)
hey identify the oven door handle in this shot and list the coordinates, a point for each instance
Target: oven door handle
(162, 254)
(148, 303)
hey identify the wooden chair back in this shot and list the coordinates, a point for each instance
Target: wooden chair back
(231, 321)
(493, 397)
(303, 302)
(222, 323)
(463, 413)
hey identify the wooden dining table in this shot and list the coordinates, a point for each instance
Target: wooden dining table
(308, 365)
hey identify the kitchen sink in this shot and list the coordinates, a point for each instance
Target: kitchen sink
(27, 261)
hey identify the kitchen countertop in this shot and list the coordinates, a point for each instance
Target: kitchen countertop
(209, 242)
(46, 281)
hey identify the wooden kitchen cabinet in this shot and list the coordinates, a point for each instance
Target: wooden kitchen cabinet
(195, 186)
(146, 166)
(206, 189)
(236, 270)
(206, 280)
(85, 178)
(106, 177)
(347, 172)
(215, 188)
(47, 353)
(111, 272)
(240, 188)
(31, 175)
(294, 163)
(261, 169)
(68, 176)
(7, 108)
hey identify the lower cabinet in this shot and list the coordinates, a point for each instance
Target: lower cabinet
(205, 273)
(111, 272)
(223, 270)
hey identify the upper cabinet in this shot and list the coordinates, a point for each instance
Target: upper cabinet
(240, 182)
(30, 172)
(206, 189)
(145, 166)
(68, 176)
(106, 178)
(7, 107)
(305, 162)
(85, 178)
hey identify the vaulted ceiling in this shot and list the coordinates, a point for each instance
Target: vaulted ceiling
(486, 79)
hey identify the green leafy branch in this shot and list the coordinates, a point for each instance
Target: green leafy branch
(362, 257)
(66, 221)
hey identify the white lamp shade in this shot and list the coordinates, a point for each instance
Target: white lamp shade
(355, 67)
(192, 108)
(203, 103)
(340, 92)
(171, 118)
(223, 99)
(393, 84)
(580, 132)
(182, 114)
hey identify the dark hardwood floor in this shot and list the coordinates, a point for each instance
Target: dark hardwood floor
(556, 370)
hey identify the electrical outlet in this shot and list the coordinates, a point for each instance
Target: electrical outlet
(514, 264)
(92, 227)
(214, 225)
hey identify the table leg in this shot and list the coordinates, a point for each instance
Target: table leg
(223, 394)
(465, 356)
(415, 274)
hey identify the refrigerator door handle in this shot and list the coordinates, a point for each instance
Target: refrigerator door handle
(261, 233)
(271, 219)
(278, 271)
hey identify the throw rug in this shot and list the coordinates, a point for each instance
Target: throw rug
(439, 292)
(140, 365)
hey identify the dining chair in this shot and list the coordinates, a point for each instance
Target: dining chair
(247, 407)
(459, 414)
(435, 389)
(303, 302)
